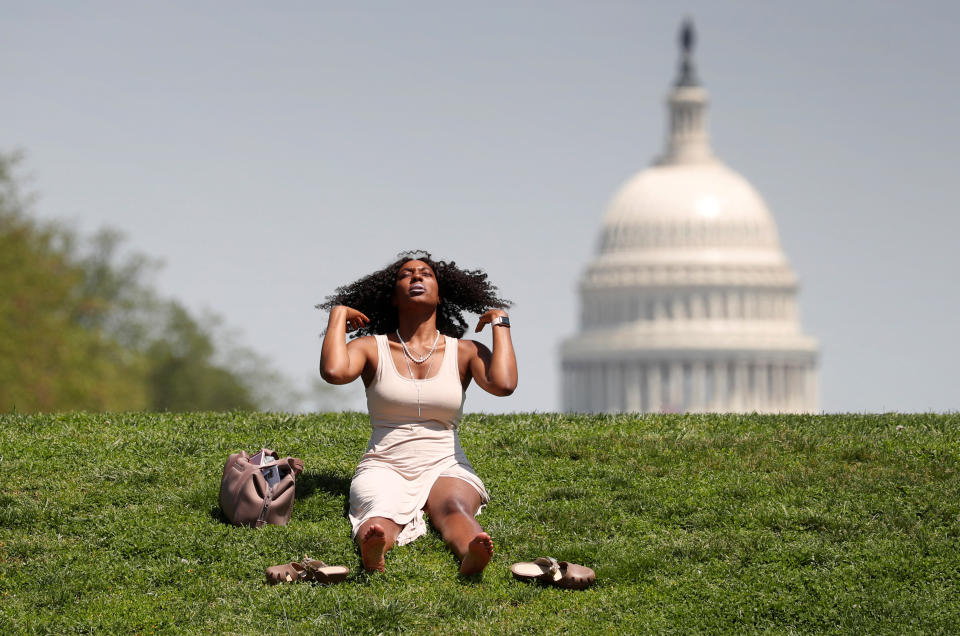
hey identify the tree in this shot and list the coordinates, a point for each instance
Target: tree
(48, 359)
(182, 373)
(81, 329)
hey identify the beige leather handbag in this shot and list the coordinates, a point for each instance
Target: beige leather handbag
(252, 494)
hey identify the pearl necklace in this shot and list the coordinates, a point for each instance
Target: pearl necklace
(421, 359)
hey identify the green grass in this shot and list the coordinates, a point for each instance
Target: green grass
(109, 523)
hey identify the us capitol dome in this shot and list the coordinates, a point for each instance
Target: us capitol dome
(690, 304)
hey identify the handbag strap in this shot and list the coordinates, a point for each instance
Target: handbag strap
(267, 500)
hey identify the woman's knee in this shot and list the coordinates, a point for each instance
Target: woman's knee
(452, 507)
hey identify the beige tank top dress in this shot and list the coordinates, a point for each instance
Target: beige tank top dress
(407, 452)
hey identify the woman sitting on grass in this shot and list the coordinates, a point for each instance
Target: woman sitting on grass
(409, 318)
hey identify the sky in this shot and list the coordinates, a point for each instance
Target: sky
(269, 152)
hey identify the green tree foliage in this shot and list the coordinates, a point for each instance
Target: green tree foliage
(80, 329)
(49, 360)
(183, 373)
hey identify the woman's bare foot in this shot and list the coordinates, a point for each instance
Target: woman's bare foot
(479, 553)
(373, 545)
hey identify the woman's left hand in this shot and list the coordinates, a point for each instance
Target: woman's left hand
(486, 318)
(496, 371)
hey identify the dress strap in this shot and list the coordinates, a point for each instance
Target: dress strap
(450, 352)
(383, 355)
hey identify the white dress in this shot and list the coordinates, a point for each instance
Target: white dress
(408, 452)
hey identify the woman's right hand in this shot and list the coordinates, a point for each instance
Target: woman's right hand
(353, 318)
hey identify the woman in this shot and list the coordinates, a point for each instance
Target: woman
(409, 318)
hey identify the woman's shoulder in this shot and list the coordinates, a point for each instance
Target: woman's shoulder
(364, 342)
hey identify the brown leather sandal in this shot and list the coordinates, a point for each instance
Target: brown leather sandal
(286, 573)
(552, 572)
(322, 573)
(306, 570)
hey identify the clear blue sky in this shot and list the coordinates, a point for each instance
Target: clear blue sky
(268, 152)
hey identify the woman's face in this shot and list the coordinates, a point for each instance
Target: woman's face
(416, 284)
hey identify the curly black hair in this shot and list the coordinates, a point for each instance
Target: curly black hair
(460, 290)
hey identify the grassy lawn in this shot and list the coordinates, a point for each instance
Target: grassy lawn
(109, 523)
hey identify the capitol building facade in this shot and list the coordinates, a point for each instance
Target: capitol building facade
(690, 304)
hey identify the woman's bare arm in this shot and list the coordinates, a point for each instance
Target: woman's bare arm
(342, 363)
(495, 372)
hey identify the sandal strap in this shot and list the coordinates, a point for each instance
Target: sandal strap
(312, 564)
(553, 568)
(312, 569)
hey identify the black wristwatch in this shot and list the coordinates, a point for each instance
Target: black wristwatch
(500, 321)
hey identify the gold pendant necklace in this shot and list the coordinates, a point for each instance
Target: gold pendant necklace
(417, 382)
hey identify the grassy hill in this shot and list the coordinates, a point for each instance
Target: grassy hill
(109, 523)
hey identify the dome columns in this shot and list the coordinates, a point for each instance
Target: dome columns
(664, 308)
(720, 383)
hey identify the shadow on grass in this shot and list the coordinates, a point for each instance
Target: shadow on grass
(469, 579)
(217, 515)
(332, 483)
(336, 484)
